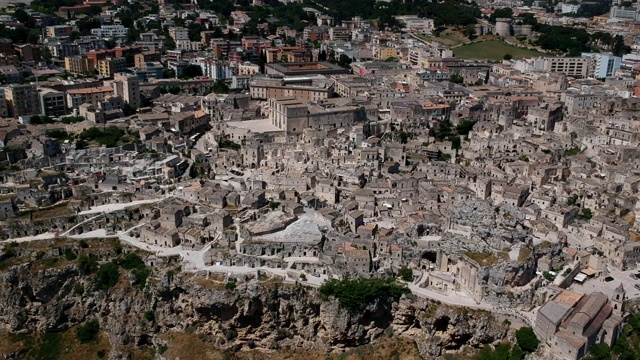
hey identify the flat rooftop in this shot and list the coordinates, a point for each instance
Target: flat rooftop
(303, 230)
(256, 126)
(306, 68)
(93, 90)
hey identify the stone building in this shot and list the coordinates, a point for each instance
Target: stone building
(572, 323)
(293, 115)
(156, 234)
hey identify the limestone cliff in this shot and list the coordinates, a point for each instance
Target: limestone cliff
(259, 313)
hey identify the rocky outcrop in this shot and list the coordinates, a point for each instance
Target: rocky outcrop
(258, 313)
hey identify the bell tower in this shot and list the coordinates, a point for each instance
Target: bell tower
(617, 299)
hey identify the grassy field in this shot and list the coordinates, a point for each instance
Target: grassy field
(193, 347)
(51, 346)
(492, 50)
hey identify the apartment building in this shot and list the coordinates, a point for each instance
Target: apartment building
(571, 66)
(110, 66)
(4, 110)
(248, 68)
(603, 65)
(59, 31)
(128, 87)
(625, 13)
(141, 59)
(79, 66)
(110, 31)
(77, 97)
(52, 102)
(179, 34)
(22, 100)
(214, 69)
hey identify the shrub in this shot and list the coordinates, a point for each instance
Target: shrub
(72, 119)
(9, 252)
(108, 276)
(78, 289)
(150, 316)
(602, 351)
(110, 137)
(83, 244)
(274, 205)
(405, 273)
(141, 275)
(587, 214)
(353, 294)
(132, 261)
(230, 285)
(527, 339)
(88, 332)
(572, 151)
(57, 134)
(87, 265)
(101, 354)
(230, 334)
(51, 262)
(70, 255)
(228, 144)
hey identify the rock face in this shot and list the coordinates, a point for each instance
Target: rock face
(256, 314)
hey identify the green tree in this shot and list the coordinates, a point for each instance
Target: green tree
(46, 53)
(322, 56)
(405, 273)
(108, 276)
(168, 74)
(600, 351)
(88, 332)
(527, 339)
(457, 79)
(231, 284)
(455, 142)
(193, 172)
(70, 255)
(191, 71)
(87, 265)
(128, 109)
(352, 294)
(344, 60)
(587, 214)
(470, 32)
(131, 261)
(140, 276)
(220, 87)
(507, 56)
(169, 43)
(465, 127)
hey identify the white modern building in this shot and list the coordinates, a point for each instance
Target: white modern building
(603, 65)
(570, 8)
(624, 13)
(179, 34)
(109, 31)
(214, 69)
